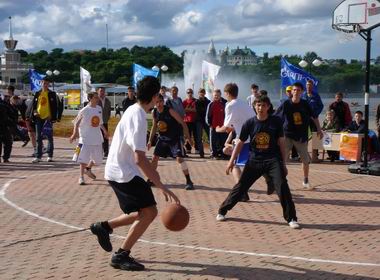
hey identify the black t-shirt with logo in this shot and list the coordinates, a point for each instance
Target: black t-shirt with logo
(263, 137)
(167, 127)
(296, 118)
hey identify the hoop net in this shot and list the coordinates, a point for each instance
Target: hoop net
(346, 32)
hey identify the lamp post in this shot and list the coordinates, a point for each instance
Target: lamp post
(52, 74)
(316, 62)
(163, 68)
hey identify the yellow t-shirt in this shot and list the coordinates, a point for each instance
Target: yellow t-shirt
(43, 108)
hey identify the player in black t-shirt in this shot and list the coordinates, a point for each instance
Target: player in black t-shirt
(169, 125)
(267, 156)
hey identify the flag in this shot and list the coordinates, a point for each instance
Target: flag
(291, 74)
(139, 72)
(85, 84)
(35, 79)
(209, 73)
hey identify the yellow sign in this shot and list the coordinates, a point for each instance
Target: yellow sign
(349, 147)
(73, 97)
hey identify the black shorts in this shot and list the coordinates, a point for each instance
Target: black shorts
(166, 148)
(134, 195)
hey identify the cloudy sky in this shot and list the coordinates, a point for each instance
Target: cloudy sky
(274, 26)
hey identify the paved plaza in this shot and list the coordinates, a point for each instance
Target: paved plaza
(44, 215)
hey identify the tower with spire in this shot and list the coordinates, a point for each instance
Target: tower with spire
(211, 53)
(11, 68)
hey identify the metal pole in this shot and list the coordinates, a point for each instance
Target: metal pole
(106, 36)
(366, 97)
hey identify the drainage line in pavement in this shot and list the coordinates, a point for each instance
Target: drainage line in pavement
(44, 237)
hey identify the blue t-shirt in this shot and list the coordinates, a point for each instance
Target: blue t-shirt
(263, 137)
(296, 118)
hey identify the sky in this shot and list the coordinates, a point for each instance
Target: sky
(273, 26)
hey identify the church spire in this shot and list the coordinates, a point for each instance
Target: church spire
(10, 44)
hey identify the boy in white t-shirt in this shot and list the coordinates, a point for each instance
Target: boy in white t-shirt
(88, 125)
(125, 164)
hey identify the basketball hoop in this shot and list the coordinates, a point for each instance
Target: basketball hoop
(346, 32)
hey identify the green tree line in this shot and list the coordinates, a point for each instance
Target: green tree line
(115, 66)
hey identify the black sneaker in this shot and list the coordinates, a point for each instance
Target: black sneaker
(189, 186)
(125, 262)
(103, 236)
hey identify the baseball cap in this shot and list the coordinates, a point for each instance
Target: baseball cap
(289, 88)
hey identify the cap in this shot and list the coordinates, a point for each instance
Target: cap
(289, 88)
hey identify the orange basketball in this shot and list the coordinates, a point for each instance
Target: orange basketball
(175, 217)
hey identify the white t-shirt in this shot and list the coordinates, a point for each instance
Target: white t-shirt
(250, 100)
(129, 136)
(236, 114)
(89, 127)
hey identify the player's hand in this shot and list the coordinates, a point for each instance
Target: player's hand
(230, 166)
(149, 145)
(169, 195)
(320, 134)
(72, 138)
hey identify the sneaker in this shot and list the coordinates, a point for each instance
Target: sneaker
(81, 181)
(49, 159)
(103, 236)
(220, 217)
(189, 186)
(123, 261)
(307, 185)
(294, 224)
(25, 143)
(6, 160)
(244, 198)
(36, 160)
(89, 173)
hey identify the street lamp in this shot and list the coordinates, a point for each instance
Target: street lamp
(52, 74)
(163, 68)
(316, 62)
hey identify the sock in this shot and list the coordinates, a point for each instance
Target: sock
(188, 180)
(306, 180)
(122, 250)
(88, 168)
(106, 225)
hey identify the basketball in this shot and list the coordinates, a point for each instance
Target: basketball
(175, 217)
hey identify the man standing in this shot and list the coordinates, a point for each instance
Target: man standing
(6, 124)
(254, 94)
(266, 141)
(214, 119)
(296, 114)
(46, 108)
(189, 118)
(105, 103)
(130, 99)
(200, 123)
(175, 102)
(342, 110)
(236, 113)
(126, 163)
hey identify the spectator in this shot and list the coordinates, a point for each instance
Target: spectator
(17, 131)
(254, 94)
(200, 124)
(105, 103)
(130, 99)
(378, 121)
(5, 129)
(215, 118)
(358, 124)
(342, 110)
(331, 124)
(163, 90)
(175, 102)
(189, 118)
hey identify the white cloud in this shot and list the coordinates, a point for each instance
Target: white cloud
(185, 21)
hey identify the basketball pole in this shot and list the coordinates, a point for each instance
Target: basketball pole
(368, 39)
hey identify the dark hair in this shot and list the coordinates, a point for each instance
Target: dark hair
(11, 88)
(359, 112)
(189, 90)
(310, 82)
(147, 88)
(339, 93)
(160, 97)
(218, 91)
(47, 78)
(254, 86)
(174, 87)
(232, 89)
(163, 87)
(263, 92)
(91, 95)
(130, 88)
(202, 90)
(298, 84)
(262, 99)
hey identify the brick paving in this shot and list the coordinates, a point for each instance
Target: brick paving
(339, 239)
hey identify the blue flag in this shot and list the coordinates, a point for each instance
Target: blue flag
(35, 79)
(139, 72)
(291, 74)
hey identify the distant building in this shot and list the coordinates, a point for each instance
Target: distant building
(11, 68)
(233, 57)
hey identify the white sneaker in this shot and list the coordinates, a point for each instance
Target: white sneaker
(307, 186)
(36, 160)
(81, 181)
(220, 217)
(49, 159)
(294, 224)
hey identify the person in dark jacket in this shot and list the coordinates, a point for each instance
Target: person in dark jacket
(47, 109)
(5, 130)
(130, 99)
(200, 120)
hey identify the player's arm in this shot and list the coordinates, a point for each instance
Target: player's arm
(281, 144)
(146, 167)
(76, 122)
(235, 153)
(178, 118)
(319, 131)
(105, 132)
(153, 131)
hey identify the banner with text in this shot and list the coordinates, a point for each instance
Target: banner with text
(85, 85)
(139, 72)
(35, 79)
(209, 73)
(291, 74)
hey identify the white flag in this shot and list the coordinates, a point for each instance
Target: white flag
(85, 84)
(209, 73)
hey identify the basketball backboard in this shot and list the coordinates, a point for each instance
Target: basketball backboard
(356, 15)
